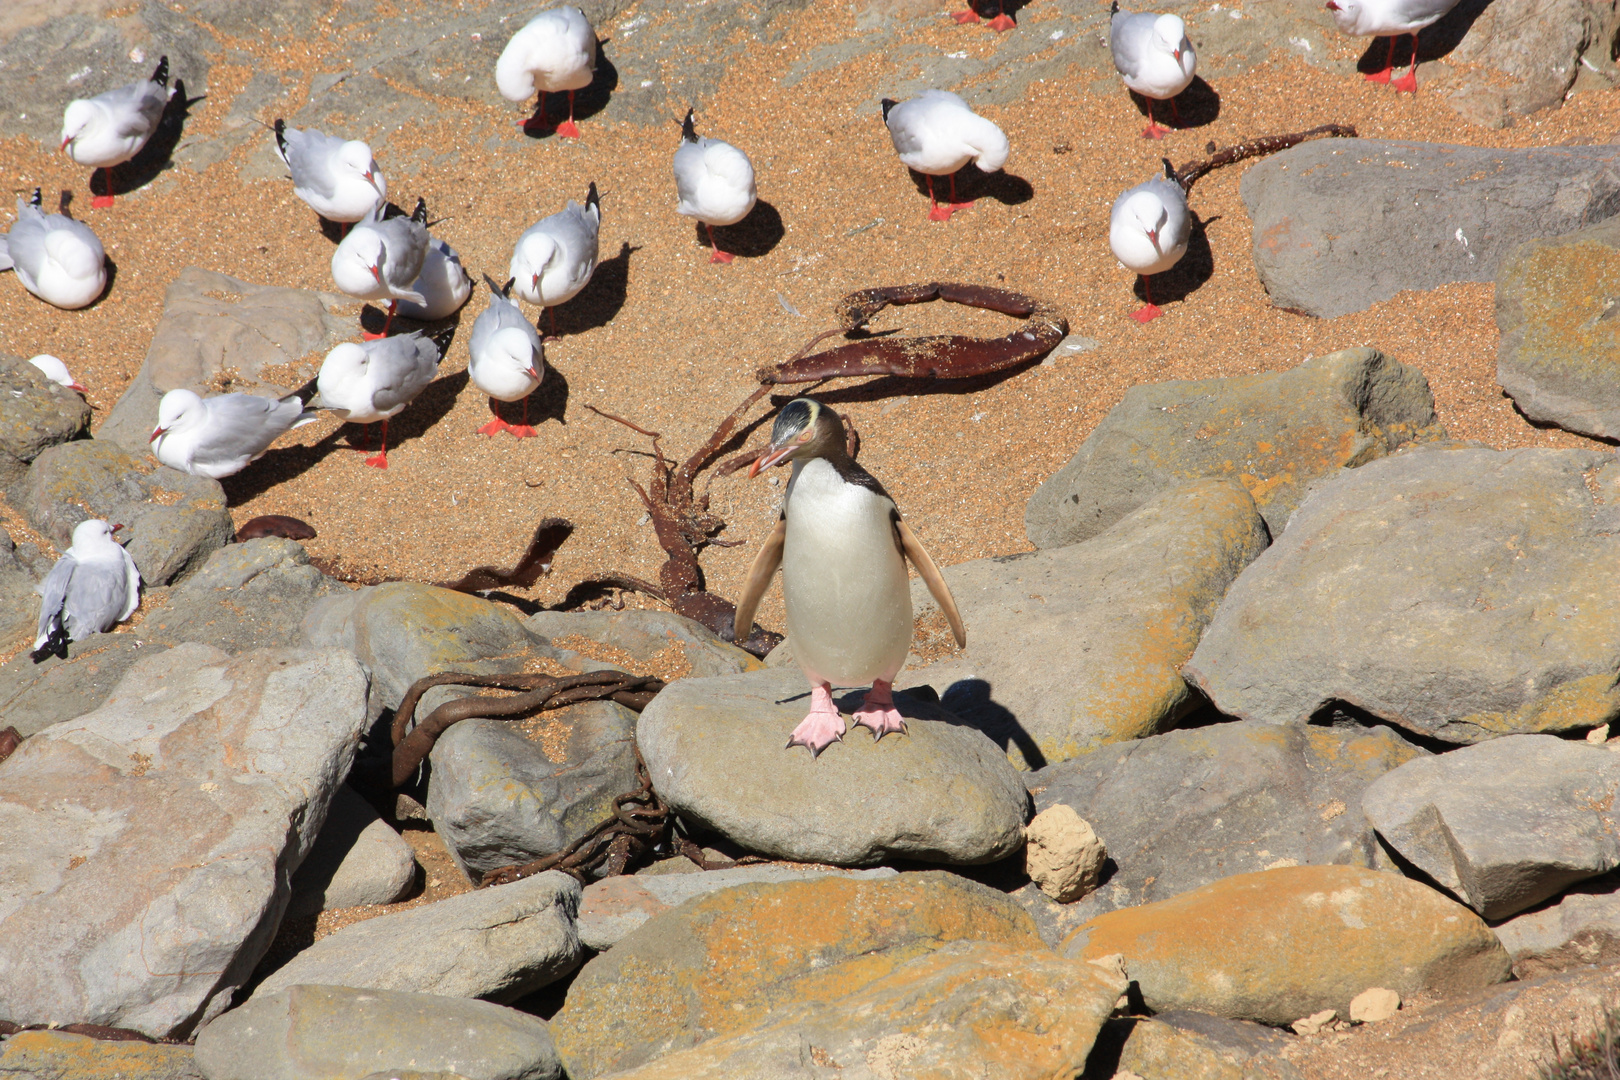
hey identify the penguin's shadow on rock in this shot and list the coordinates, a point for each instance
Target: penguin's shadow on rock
(973, 184)
(602, 299)
(1434, 41)
(1188, 275)
(1197, 106)
(158, 153)
(552, 109)
(753, 236)
(972, 701)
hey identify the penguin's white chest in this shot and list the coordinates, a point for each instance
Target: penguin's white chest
(844, 580)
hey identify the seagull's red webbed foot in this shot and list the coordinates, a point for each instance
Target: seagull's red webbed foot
(1001, 22)
(962, 18)
(568, 129)
(378, 461)
(1406, 84)
(877, 711)
(521, 431)
(1378, 76)
(1147, 314)
(719, 256)
(101, 202)
(1155, 131)
(822, 727)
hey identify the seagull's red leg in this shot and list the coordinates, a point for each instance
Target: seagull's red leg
(380, 459)
(955, 206)
(537, 122)
(568, 129)
(717, 256)
(1389, 66)
(1153, 130)
(367, 335)
(101, 202)
(497, 425)
(1151, 311)
(936, 212)
(1408, 83)
(523, 430)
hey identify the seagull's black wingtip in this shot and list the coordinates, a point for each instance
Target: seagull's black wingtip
(887, 103)
(161, 75)
(688, 129)
(419, 215)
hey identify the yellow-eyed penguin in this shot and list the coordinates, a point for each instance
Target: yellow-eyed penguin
(842, 548)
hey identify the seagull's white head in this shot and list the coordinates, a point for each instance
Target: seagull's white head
(78, 116)
(1149, 213)
(514, 347)
(178, 409)
(354, 157)
(1170, 35)
(1346, 13)
(56, 371)
(92, 532)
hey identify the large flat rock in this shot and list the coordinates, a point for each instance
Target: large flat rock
(716, 750)
(1274, 433)
(1421, 215)
(1459, 592)
(149, 843)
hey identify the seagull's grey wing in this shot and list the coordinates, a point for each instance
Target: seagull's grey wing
(1128, 41)
(401, 367)
(905, 128)
(243, 425)
(1419, 11)
(95, 598)
(53, 593)
(309, 157)
(25, 243)
(406, 242)
(136, 108)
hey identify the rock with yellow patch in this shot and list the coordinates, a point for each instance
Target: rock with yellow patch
(1186, 808)
(730, 961)
(966, 1010)
(1559, 355)
(1456, 591)
(1180, 1045)
(59, 1055)
(1506, 824)
(1274, 433)
(1078, 646)
(1286, 943)
(717, 752)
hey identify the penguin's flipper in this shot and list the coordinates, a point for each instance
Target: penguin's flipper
(936, 582)
(758, 580)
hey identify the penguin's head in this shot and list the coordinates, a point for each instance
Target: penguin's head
(804, 429)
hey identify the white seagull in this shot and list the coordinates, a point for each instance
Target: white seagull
(555, 257)
(367, 383)
(340, 180)
(381, 258)
(937, 134)
(508, 359)
(218, 436)
(56, 258)
(1148, 229)
(1154, 57)
(92, 587)
(111, 128)
(443, 283)
(1377, 18)
(56, 371)
(555, 51)
(715, 182)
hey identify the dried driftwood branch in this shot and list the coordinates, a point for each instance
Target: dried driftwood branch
(1189, 173)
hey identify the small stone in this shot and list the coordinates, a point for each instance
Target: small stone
(1598, 735)
(1062, 854)
(1374, 1004)
(1313, 1023)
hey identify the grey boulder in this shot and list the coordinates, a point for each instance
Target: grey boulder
(660, 638)
(1274, 433)
(1532, 50)
(149, 843)
(1506, 824)
(35, 696)
(1555, 309)
(1073, 647)
(1455, 591)
(1421, 214)
(314, 1032)
(357, 860)
(498, 943)
(246, 596)
(19, 596)
(716, 751)
(1579, 928)
(35, 413)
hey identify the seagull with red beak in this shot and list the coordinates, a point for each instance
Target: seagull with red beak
(1148, 229)
(381, 258)
(339, 179)
(112, 127)
(1391, 18)
(56, 371)
(92, 587)
(1154, 57)
(556, 256)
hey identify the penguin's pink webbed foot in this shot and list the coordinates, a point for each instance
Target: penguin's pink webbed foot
(822, 727)
(877, 711)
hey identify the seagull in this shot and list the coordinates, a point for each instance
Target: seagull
(374, 381)
(56, 258)
(339, 180)
(937, 135)
(1377, 18)
(555, 257)
(508, 359)
(92, 587)
(57, 372)
(111, 128)
(218, 436)
(443, 283)
(715, 181)
(381, 258)
(554, 51)
(1154, 57)
(1148, 229)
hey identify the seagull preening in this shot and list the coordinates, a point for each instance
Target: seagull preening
(93, 587)
(937, 135)
(1154, 57)
(56, 371)
(374, 381)
(715, 182)
(555, 51)
(507, 359)
(556, 256)
(1148, 229)
(111, 127)
(1392, 18)
(218, 436)
(56, 258)
(340, 180)
(381, 258)
(443, 283)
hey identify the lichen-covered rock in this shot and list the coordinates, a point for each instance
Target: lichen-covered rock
(645, 637)
(35, 413)
(1282, 944)
(59, 1055)
(246, 596)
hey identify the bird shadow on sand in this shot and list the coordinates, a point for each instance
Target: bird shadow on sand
(278, 465)
(1188, 275)
(972, 184)
(753, 236)
(552, 109)
(1197, 106)
(549, 400)
(158, 153)
(601, 300)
